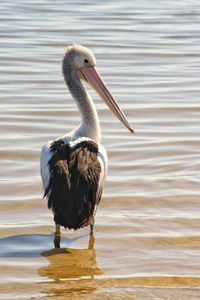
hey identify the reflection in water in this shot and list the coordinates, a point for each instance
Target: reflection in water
(71, 263)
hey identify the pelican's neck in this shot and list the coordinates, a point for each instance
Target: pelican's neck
(90, 122)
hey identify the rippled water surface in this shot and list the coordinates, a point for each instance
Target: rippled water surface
(147, 242)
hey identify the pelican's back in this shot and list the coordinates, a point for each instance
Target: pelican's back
(73, 190)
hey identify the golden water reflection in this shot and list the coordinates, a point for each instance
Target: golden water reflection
(68, 263)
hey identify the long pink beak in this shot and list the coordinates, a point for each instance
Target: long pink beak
(92, 77)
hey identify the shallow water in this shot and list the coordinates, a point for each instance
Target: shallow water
(147, 243)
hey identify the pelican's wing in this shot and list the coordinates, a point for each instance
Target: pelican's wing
(44, 164)
(103, 159)
(75, 184)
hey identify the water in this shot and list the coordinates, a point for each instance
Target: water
(147, 243)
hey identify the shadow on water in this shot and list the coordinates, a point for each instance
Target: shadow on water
(30, 245)
(63, 264)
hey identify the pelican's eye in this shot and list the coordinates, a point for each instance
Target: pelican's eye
(86, 62)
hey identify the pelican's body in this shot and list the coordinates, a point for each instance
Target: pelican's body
(74, 167)
(73, 173)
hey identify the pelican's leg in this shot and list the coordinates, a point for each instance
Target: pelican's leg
(92, 239)
(91, 242)
(91, 225)
(57, 236)
(91, 229)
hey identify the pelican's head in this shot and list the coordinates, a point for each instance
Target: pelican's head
(77, 57)
(81, 61)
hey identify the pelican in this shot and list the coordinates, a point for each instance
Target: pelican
(74, 166)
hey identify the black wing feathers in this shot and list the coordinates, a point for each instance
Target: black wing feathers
(73, 185)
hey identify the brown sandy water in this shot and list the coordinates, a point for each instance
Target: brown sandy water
(147, 233)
